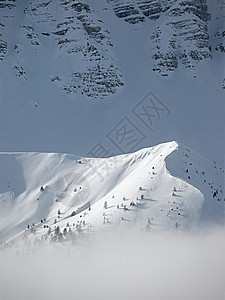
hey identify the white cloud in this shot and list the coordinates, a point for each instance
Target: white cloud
(170, 266)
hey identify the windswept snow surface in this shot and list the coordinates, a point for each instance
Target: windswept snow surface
(167, 186)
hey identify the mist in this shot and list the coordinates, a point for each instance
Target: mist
(136, 266)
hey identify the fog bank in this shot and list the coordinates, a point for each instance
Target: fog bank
(170, 266)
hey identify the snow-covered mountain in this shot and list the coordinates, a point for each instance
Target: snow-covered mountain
(164, 187)
(104, 81)
(68, 67)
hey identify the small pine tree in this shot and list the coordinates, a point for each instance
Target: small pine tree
(73, 213)
(59, 212)
(105, 205)
(57, 230)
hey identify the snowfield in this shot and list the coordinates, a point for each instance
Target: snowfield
(167, 186)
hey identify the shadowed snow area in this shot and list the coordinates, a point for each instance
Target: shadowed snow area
(11, 174)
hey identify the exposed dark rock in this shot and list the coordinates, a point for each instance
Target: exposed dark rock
(220, 36)
(128, 11)
(150, 9)
(182, 36)
(187, 38)
(20, 72)
(3, 49)
(29, 32)
(97, 75)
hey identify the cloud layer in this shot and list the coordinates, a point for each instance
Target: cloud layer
(170, 266)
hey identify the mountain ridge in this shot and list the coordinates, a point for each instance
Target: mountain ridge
(162, 187)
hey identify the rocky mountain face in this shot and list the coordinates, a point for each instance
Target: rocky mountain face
(78, 38)
(220, 32)
(182, 36)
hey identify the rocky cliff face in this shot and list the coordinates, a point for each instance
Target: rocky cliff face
(220, 32)
(181, 38)
(79, 39)
(6, 7)
(188, 39)
(79, 36)
(137, 11)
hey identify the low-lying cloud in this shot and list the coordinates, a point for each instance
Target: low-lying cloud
(157, 266)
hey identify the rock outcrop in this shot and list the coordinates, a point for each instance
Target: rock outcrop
(80, 38)
(181, 38)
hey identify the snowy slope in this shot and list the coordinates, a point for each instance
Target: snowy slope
(164, 187)
(69, 68)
